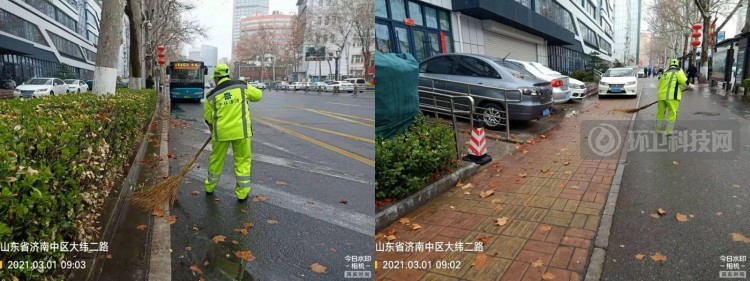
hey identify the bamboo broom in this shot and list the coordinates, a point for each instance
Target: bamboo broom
(634, 110)
(166, 190)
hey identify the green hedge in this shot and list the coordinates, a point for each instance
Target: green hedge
(59, 158)
(405, 163)
(585, 76)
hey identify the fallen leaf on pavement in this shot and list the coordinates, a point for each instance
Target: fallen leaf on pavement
(518, 146)
(485, 240)
(548, 276)
(332, 249)
(109, 256)
(640, 256)
(318, 268)
(404, 221)
(195, 228)
(545, 170)
(343, 201)
(235, 242)
(451, 207)
(545, 228)
(574, 187)
(655, 215)
(501, 221)
(718, 213)
(158, 212)
(496, 201)
(205, 263)
(659, 257)
(219, 238)
(566, 238)
(391, 231)
(543, 136)
(141, 227)
(195, 193)
(681, 217)
(243, 210)
(467, 186)
(379, 236)
(196, 268)
(479, 260)
(257, 198)
(738, 237)
(566, 163)
(736, 185)
(675, 162)
(245, 255)
(247, 225)
(522, 175)
(188, 248)
(415, 226)
(280, 183)
(525, 151)
(241, 230)
(459, 183)
(272, 221)
(661, 211)
(537, 263)
(691, 216)
(467, 193)
(391, 237)
(486, 193)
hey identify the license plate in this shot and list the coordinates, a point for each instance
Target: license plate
(546, 112)
(27, 95)
(616, 90)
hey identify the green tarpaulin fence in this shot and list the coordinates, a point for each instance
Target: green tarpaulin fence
(396, 98)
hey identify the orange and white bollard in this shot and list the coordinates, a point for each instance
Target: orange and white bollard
(478, 145)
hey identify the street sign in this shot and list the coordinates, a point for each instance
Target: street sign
(720, 36)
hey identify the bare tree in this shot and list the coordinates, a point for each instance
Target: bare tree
(290, 51)
(340, 24)
(710, 10)
(364, 29)
(134, 12)
(105, 74)
(170, 27)
(257, 45)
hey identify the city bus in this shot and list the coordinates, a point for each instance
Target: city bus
(186, 80)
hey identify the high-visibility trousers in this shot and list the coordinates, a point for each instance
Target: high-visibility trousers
(670, 107)
(242, 149)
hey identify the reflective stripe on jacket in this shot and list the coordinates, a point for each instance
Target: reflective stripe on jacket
(671, 83)
(227, 110)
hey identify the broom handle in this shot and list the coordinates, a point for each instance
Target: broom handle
(192, 161)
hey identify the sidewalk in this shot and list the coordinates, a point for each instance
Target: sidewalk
(552, 198)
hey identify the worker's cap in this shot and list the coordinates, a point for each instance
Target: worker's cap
(221, 70)
(674, 62)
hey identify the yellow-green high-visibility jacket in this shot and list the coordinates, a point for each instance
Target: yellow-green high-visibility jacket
(671, 83)
(227, 110)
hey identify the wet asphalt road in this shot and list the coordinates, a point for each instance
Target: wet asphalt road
(697, 186)
(319, 185)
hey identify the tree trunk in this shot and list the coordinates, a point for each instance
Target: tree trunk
(703, 73)
(105, 73)
(329, 69)
(746, 28)
(133, 11)
(685, 45)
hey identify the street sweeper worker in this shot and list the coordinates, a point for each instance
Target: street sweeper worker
(670, 94)
(227, 113)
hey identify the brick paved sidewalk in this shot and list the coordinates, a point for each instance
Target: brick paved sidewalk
(553, 199)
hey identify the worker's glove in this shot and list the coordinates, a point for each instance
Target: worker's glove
(691, 87)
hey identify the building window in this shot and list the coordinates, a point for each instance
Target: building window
(589, 36)
(605, 46)
(607, 29)
(66, 47)
(590, 8)
(90, 55)
(380, 9)
(19, 27)
(397, 10)
(445, 23)
(415, 13)
(51, 11)
(357, 59)
(382, 38)
(556, 13)
(431, 16)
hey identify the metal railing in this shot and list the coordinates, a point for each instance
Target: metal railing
(443, 101)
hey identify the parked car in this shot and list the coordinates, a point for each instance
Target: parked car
(254, 84)
(297, 86)
(641, 73)
(281, 85)
(528, 97)
(342, 85)
(360, 82)
(618, 81)
(76, 86)
(577, 89)
(7, 87)
(90, 83)
(560, 87)
(320, 86)
(38, 87)
(121, 84)
(261, 85)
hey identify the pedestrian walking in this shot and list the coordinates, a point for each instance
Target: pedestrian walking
(227, 113)
(692, 73)
(648, 72)
(669, 96)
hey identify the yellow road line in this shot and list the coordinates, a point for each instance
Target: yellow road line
(337, 115)
(322, 144)
(318, 129)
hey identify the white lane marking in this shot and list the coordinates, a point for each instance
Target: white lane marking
(351, 105)
(350, 220)
(273, 146)
(297, 165)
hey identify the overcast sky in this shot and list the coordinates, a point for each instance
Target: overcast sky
(216, 15)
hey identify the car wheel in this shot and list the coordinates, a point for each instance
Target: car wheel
(51, 93)
(493, 116)
(79, 91)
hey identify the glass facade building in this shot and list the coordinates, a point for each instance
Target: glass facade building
(627, 32)
(412, 27)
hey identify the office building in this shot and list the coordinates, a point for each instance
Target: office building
(244, 8)
(278, 25)
(37, 36)
(627, 32)
(560, 34)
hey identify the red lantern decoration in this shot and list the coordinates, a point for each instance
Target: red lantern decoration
(713, 25)
(162, 61)
(161, 48)
(695, 43)
(161, 54)
(696, 34)
(697, 26)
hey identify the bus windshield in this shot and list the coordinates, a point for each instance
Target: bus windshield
(187, 75)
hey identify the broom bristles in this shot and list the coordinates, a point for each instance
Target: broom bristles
(159, 194)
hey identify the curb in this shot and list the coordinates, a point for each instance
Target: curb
(160, 259)
(124, 192)
(601, 241)
(405, 206)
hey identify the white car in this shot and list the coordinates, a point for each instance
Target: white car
(343, 86)
(77, 86)
(319, 86)
(261, 85)
(255, 85)
(577, 89)
(560, 83)
(39, 87)
(618, 81)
